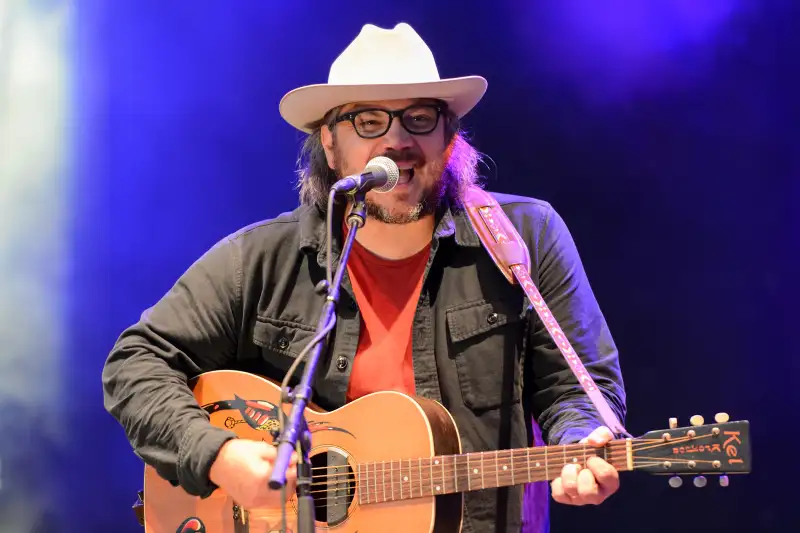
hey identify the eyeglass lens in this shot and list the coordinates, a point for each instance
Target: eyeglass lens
(375, 122)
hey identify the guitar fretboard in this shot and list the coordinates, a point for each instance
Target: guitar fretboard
(446, 474)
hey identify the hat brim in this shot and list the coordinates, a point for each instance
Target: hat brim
(304, 106)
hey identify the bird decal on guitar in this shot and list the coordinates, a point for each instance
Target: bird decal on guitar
(259, 414)
(407, 472)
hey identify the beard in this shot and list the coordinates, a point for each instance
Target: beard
(456, 169)
(400, 211)
(429, 201)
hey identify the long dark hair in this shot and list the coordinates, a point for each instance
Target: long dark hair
(315, 177)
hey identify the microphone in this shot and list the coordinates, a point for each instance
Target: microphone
(380, 175)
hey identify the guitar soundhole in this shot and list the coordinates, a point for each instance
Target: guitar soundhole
(333, 486)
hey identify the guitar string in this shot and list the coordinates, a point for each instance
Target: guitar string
(451, 472)
(355, 503)
(614, 446)
(495, 463)
(451, 469)
(417, 484)
(494, 467)
(374, 493)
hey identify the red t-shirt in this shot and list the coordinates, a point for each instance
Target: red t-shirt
(387, 292)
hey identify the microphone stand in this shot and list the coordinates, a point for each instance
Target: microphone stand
(295, 433)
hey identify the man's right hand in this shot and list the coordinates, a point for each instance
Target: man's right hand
(243, 468)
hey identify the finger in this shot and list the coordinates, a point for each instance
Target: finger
(605, 475)
(557, 490)
(267, 451)
(291, 482)
(600, 436)
(588, 490)
(569, 480)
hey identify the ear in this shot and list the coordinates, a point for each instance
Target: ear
(326, 137)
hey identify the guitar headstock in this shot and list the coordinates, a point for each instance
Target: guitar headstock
(700, 449)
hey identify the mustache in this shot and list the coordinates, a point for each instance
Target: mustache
(408, 155)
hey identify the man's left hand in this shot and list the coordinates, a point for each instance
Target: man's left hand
(590, 485)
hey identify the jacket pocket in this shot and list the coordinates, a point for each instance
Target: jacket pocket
(484, 342)
(281, 341)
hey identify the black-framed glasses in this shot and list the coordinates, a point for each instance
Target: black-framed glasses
(418, 119)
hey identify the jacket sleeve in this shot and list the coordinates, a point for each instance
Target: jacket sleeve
(563, 410)
(191, 330)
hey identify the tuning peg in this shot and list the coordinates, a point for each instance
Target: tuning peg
(721, 418)
(673, 423)
(723, 481)
(696, 420)
(700, 482)
(675, 482)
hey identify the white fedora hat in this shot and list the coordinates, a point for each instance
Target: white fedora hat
(381, 64)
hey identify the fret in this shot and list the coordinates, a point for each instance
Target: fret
(455, 459)
(512, 469)
(375, 480)
(400, 476)
(410, 480)
(528, 454)
(391, 476)
(469, 476)
(629, 454)
(497, 469)
(366, 479)
(483, 484)
(452, 459)
(431, 465)
(546, 466)
(400, 465)
(383, 480)
(584, 456)
(440, 461)
(444, 483)
(404, 477)
(420, 477)
(360, 492)
(402, 480)
(564, 449)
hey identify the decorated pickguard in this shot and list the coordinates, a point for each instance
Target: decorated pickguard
(260, 415)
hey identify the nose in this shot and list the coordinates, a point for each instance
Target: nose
(397, 138)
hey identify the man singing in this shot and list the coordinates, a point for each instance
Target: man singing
(424, 310)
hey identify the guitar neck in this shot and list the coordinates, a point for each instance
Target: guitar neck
(446, 474)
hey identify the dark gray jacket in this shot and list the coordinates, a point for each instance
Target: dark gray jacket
(249, 303)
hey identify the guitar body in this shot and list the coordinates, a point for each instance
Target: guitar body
(384, 426)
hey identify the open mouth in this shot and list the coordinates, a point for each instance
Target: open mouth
(406, 175)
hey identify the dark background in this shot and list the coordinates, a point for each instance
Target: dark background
(666, 133)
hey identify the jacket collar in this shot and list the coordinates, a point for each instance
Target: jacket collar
(451, 222)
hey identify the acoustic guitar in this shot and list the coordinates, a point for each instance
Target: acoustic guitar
(388, 462)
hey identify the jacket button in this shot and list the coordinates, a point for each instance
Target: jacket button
(341, 363)
(283, 343)
(492, 319)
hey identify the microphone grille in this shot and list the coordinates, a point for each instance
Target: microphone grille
(383, 164)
